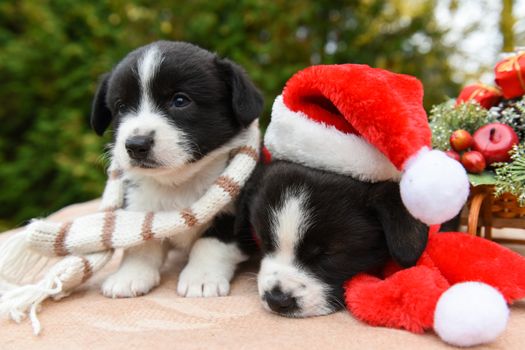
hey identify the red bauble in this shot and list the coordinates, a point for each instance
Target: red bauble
(486, 96)
(453, 154)
(494, 141)
(473, 161)
(461, 140)
(510, 75)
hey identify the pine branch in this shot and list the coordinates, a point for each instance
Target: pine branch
(445, 118)
(510, 177)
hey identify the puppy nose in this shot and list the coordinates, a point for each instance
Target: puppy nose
(280, 302)
(138, 147)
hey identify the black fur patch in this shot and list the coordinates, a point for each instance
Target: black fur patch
(355, 226)
(218, 89)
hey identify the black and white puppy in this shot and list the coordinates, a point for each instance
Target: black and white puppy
(318, 229)
(177, 111)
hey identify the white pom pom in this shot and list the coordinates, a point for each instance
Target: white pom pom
(470, 313)
(434, 186)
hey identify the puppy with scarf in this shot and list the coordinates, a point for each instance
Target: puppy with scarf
(185, 142)
(177, 111)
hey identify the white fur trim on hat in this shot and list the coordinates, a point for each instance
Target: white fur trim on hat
(434, 187)
(470, 313)
(295, 137)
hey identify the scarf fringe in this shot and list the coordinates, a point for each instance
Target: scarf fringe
(20, 301)
(19, 262)
(23, 300)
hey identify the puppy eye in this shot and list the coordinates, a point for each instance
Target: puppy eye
(180, 100)
(121, 107)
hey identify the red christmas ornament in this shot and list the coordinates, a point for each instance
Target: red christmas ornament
(474, 162)
(510, 75)
(486, 96)
(453, 154)
(494, 141)
(461, 140)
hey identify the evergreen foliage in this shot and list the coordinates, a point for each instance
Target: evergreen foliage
(510, 177)
(445, 118)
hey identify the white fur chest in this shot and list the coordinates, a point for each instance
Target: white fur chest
(174, 191)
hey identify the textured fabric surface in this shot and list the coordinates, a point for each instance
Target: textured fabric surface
(163, 320)
(384, 108)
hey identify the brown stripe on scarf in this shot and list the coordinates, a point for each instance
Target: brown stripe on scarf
(146, 231)
(249, 151)
(87, 269)
(108, 228)
(229, 185)
(59, 246)
(115, 174)
(189, 217)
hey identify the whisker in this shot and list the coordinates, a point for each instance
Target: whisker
(336, 302)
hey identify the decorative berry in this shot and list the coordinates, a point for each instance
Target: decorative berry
(473, 161)
(494, 141)
(461, 140)
(453, 154)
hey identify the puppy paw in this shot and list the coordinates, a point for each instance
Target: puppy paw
(201, 282)
(129, 283)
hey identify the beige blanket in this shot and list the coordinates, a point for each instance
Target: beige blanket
(163, 320)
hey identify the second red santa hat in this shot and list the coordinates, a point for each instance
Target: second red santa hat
(370, 124)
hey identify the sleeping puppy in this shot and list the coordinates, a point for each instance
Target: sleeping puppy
(177, 112)
(318, 229)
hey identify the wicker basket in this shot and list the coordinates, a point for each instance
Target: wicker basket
(506, 206)
(485, 211)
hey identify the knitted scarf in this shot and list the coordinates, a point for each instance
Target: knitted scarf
(87, 243)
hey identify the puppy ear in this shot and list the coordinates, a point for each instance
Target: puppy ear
(100, 114)
(247, 101)
(406, 237)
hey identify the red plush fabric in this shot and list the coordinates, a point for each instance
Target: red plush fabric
(384, 108)
(266, 156)
(461, 257)
(407, 298)
(392, 267)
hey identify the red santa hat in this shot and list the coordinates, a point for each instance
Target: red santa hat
(370, 124)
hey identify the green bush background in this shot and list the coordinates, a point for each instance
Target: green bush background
(52, 53)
